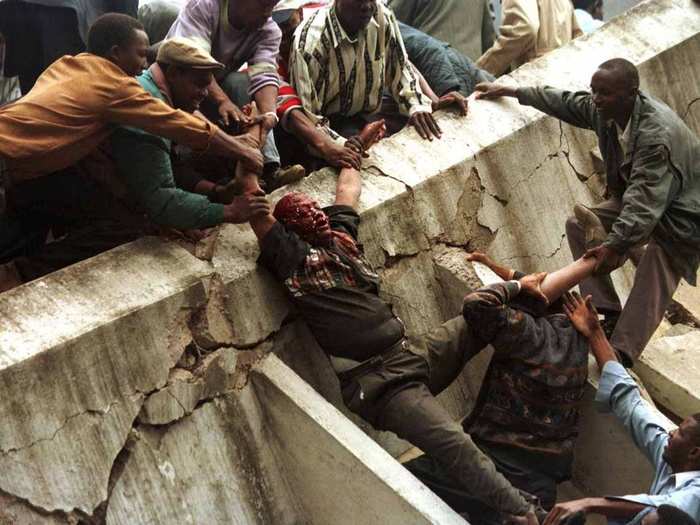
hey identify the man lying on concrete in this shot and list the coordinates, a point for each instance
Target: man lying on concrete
(302, 139)
(392, 383)
(343, 58)
(527, 412)
(96, 219)
(72, 109)
(528, 31)
(238, 32)
(675, 455)
(652, 163)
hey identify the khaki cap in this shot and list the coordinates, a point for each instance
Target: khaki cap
(184, 52)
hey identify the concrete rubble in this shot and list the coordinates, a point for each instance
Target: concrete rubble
(153, 384)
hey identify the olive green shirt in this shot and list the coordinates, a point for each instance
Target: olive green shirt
(144, 164)
(657, 176)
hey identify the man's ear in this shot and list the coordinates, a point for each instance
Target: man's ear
(114, 53)
(694, 455)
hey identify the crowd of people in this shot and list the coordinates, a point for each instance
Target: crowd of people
(186, 121)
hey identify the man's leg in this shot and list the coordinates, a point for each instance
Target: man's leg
(600, 287)
(655, 282)
(415, 415)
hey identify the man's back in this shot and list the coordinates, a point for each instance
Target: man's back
(67, 115)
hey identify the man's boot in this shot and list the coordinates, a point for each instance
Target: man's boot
(593, 229)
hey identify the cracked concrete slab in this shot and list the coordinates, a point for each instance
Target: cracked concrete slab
(503, 179)
(44, 471)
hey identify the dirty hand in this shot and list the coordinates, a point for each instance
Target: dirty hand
(530, 284)
(528, 519)
(229, 113)
(562, 512)
(607, 259)
(581, 313)
(341, 156)
(480, 257)
(490, 91)
(425, 125)
(243, 207)
(453, 98)
(267, 122)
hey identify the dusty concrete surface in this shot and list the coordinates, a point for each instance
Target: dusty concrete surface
(126, 380)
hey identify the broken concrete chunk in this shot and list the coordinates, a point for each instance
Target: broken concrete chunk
(70, 469)
(211, 328)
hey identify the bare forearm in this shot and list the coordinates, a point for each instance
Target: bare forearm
(216, 94)
(266, 99)
(305, 130)
(558, 282)
(262, 225)
(348, 187)
(601, 348)
(613, 508)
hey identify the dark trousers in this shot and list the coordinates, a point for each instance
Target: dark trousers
(399, 396)
(515, 465)
(84, 218)
(655, 282)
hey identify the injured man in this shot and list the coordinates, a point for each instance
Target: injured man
(315, 255)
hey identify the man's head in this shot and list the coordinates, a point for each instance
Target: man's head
(288, 15)
(594, 7)
(188, 70)
(250, 15)
(683, 450)
(121, 39)
(354, 15)
(668, 515)
(614, 87)
(302, 215)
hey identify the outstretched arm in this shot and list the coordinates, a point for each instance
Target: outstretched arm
(610, 508)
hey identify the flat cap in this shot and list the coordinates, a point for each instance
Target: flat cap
(184, 52)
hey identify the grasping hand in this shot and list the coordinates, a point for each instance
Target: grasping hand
(230, 113)
(530, 284)
(480, 257)
(607, 259)
(243, 207)
(491, 91)
(425, 125)
(581, 313)
(453, 98)
(564, 512)
(528, 519)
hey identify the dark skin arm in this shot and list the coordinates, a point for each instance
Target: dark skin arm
(228, 111)
(504, 273)
(336, 155)
(492, 91)
(610, 508)
(584, 317)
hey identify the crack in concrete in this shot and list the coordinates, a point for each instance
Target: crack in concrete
(376, 170)
(536, 255)
(65, 423)
(566, 152)
(73, 518)
(687, 109)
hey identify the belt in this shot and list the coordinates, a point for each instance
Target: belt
(373, 362)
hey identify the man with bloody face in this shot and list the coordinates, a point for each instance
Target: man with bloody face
(652, 165)
(391, 383)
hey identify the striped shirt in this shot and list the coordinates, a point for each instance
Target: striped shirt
(335, 74)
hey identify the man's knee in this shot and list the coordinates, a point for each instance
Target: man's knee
(573, 227)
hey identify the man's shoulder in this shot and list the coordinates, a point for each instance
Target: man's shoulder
(310, 32)
(658, 123)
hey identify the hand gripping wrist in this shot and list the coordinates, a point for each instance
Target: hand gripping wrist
(273, 115)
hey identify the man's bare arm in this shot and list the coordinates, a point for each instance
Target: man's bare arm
(348, 188)
(611, 508)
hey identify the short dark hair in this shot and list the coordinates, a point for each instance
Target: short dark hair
(585, 4)
(669, 515)
(625, 68)
(112, 29)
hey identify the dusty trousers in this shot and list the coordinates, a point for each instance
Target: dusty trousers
(399, 395)
(655, 282)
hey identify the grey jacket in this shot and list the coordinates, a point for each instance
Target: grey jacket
(658, 179)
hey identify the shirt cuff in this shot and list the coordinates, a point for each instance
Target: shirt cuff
(420, 108)
(526, 95)
(512, 289)
(213, 215)
(613, 373)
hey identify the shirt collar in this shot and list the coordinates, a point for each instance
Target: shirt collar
(338, 34)
(159, 79)
(684, 477)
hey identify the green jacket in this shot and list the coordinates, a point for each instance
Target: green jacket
(657, 180)
(144, 164)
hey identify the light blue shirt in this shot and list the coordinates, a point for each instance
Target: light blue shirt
(618, 392)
